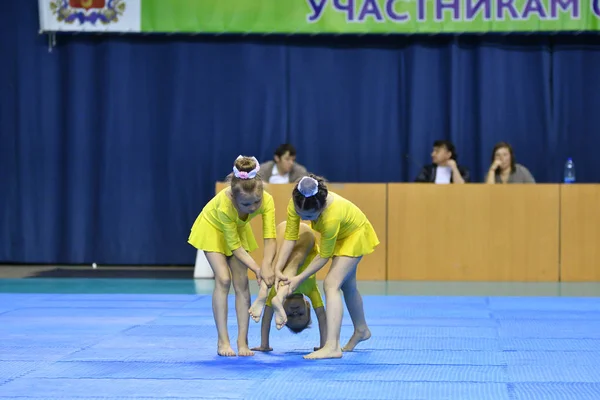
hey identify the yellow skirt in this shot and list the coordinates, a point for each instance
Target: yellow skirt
(204, 236)
(360, 243)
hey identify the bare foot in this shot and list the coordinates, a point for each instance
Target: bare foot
(225, 350)
(262, 348)
(244, 351)
(280, 319)
(325, 352)
(277, 304)
(256, 309)
(357, 337)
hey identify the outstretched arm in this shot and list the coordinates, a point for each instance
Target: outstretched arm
(232, 239)
(315, 266)
(265, 331)
(241, 254)
(270, 237)
(282, 259)
(328, 240)
(267, 272)
(292, 229)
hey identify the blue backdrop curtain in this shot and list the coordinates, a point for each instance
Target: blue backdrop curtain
(110, 145)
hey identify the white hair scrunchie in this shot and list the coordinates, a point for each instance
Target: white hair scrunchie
(243, 174)
(308, 186)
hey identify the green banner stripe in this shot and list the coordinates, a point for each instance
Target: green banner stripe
(369, 16)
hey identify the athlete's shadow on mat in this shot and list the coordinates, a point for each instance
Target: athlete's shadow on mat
(296, 366)
(287, 360)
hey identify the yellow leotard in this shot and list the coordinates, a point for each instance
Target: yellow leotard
(218, 228)
(344, 229)
(309, 287)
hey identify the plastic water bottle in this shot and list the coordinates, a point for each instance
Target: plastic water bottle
(569, 171)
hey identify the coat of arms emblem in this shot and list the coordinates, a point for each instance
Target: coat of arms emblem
(92, 11)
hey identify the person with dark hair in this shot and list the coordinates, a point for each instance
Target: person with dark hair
(444, 167)
(504, 168)
(223, 232)
(346, 236)
(283, 168)
(295, 306)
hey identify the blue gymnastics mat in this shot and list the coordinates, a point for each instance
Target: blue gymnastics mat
(142, 346)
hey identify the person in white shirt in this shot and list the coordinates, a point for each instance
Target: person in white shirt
(444, 168)
(283, 168)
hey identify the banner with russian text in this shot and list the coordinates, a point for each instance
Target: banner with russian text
(320, 16)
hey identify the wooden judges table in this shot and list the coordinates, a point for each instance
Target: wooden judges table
(473, 232)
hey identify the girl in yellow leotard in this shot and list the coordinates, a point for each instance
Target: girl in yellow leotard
(346, 236)
(223, 232)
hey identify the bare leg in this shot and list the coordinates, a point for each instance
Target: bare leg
(257, 307)
(218, 263)
(342, 268)
(259, 303)
(290, 270)
(354, 303)
(322, 318)
(304, 245)
(239, 273)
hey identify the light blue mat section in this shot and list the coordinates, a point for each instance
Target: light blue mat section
(128, 346)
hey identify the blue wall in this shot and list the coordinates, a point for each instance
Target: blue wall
(110, 145)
